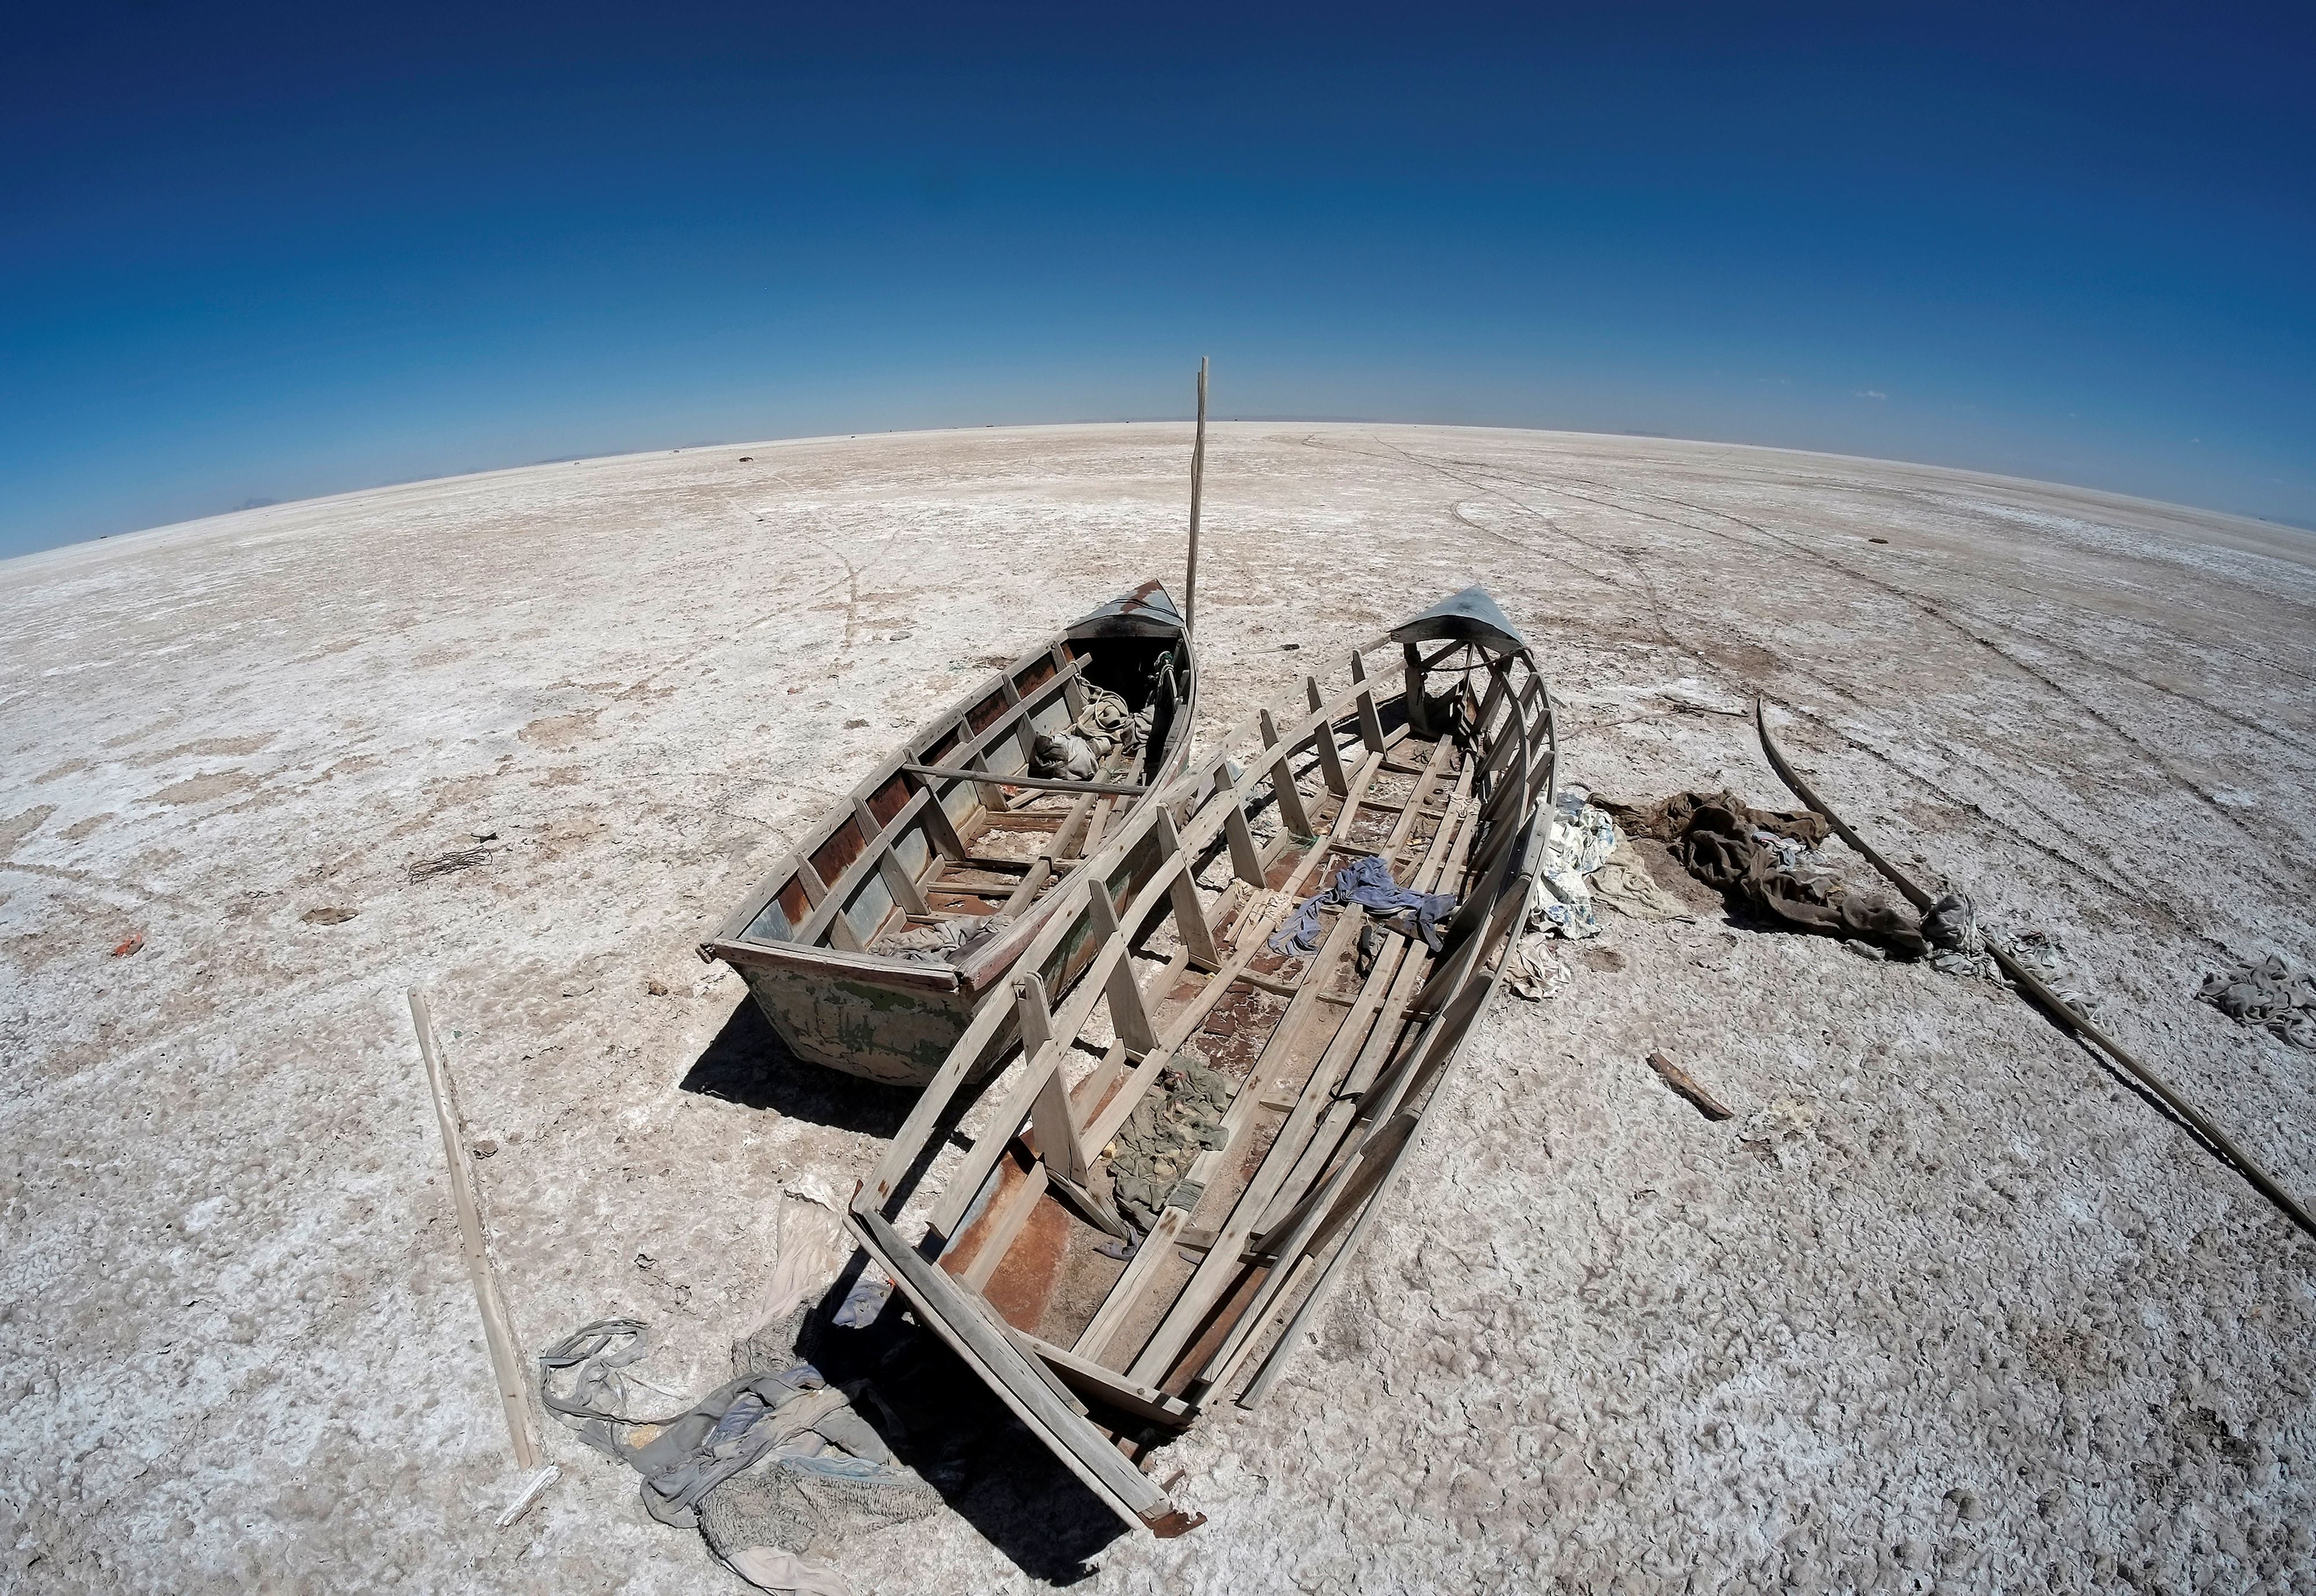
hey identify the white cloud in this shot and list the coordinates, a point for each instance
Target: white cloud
(1872, 394)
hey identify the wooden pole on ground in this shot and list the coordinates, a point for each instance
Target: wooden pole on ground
(2041, 995)
(506, 1360)
(1197, 481)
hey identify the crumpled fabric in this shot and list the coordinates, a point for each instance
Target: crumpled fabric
(2268, 993)
(1151, 1153)
(1582, 839)
(1369, 884)
(923, 945)
(1770, 870)
(1532, 971)
(693, 1452)
(1957, 946)
(767, 1568)
(1077, 750)
(1625, 884)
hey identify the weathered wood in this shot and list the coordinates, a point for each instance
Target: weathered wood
(1053, 1119)
(1127, 1017)
(977, 1336)
(1091, 1381)
(498, 1333)
(828, 915)
(1283, 790)
(1370, 721)
(1000, 1228)
(1110, 1317)
(1680, 1081)
(1215, 1272)
(1322, 742)
(1189, 916)
(1246, 857)
(1197, 484)
(1042, 783)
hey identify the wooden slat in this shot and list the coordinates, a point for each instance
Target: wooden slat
(828, 915)
(1189, 916)
(1127, 1017)
(1283, 790)
(1370, 722)
(1091, 1381)
(1322, 741)
(1002, 1226)
(903, 886)
(1111, 1316)
(1053, 1119)
(1216, 1270)
(498, 1334)
(961, 1319)
(1042, 783)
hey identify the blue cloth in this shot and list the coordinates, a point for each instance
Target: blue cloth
(1369, 884)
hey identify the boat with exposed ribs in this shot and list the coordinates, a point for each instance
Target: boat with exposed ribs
(1232, 1027)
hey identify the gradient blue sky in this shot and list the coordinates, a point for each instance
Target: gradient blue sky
(248, 254)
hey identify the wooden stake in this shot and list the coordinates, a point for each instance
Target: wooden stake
(506, 1360)
(1197, 481)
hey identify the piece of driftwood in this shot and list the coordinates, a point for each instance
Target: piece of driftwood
(1316, 1072)
(529, 1497)
(2052, 1006)
(506, 1358)
(1680, 1081)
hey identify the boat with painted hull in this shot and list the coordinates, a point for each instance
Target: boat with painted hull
(869, 946)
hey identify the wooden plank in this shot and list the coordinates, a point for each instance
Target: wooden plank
(1246, 856)
(897, 879)
(1216, 1272)
(1091, 1381)
(1370, 721)
(1127, 1017)
(870, 967)
(1403, 969)
(1331, 757)
(828, 914)
(1003, 1226)
(498, 1334)
(1053, 1119)
(1189, 916)
(1040, 871)
(1110, 1316)
(1042, 783)
(966, 1325)
(1283, 790)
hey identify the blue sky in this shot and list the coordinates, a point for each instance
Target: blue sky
(265, 255)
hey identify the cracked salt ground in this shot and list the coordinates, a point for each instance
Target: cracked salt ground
(1974, 1319)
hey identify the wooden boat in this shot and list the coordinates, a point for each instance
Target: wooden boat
(869, 946)
(1316, 1071)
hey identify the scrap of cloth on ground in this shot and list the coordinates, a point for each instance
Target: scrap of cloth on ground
(2268, 993)
(1759, 859)
(1369, 884)
(1580, 840)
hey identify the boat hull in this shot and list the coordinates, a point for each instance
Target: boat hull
(923, 843)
